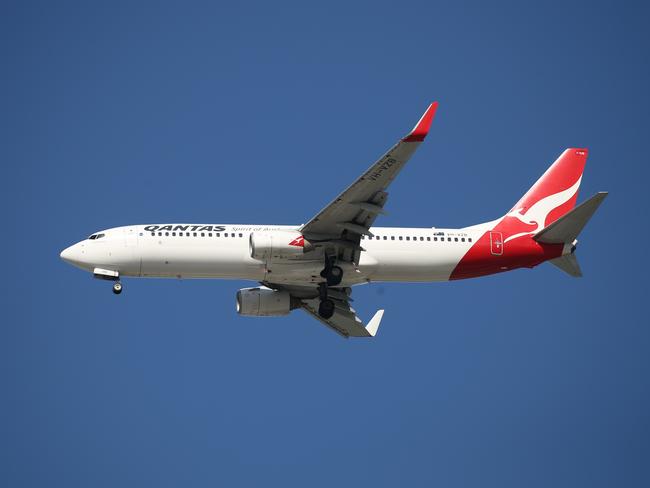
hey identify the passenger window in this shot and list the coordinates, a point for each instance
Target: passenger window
(202, 234)
(218, 234)
(209, 234)
(448, 239)
(469, 239)
(159, 233)
(195, 234)
(462, 239)
(392, 238)
(408, 238)
(241, 235)
(428, 238)
(400, 238)
(167, 233)
(153, 233)
(415, 238)
(435, 239)
(421, 238)
(385, 238)
(456, 239)
(174, 234)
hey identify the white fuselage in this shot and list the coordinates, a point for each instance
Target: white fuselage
(393, 254)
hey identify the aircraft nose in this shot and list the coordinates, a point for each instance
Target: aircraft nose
(67, 254)
(77, 255)
(73, 255)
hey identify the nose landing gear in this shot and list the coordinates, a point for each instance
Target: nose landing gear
(117, 288)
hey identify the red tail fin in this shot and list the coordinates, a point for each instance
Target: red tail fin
(556, 192)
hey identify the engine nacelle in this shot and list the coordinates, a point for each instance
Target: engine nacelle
(263, 302)
(280, 244)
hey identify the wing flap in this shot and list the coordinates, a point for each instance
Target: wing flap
(345, 321)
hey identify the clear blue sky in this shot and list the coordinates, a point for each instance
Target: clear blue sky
(117, 113)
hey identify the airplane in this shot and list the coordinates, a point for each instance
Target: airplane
(314, 266)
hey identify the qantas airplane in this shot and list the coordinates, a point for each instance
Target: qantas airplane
(314, 266)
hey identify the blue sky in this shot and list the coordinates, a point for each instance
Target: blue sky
(117, 113)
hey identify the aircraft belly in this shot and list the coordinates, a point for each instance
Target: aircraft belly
(307, 272)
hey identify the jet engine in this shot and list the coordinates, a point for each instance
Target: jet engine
(264, 302)
(277, 244)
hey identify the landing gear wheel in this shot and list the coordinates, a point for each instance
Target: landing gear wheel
(117, 288)
(326, 309)
(334, 276)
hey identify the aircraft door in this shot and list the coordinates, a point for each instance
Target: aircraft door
(496, 243)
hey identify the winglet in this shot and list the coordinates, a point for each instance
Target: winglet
(421, 129)
(373, 325)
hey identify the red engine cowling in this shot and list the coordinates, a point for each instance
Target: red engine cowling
(277, 245)
(263, 302)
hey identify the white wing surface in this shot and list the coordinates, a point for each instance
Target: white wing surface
(345, 321)
(353, 212)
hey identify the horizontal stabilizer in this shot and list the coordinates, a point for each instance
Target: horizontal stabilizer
(568, 264)
(566, 228)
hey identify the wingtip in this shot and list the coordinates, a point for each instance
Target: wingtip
(373, 325)
(421, 129)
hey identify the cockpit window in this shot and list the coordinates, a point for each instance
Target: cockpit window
(96, 236)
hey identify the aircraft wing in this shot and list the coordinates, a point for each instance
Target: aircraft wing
(353, 212)
(345, 321)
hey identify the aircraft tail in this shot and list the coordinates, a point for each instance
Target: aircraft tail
(566, 229)
(556, 192)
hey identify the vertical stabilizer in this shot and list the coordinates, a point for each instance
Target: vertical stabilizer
(556, 192)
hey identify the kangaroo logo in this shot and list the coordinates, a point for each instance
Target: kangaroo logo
(538, 213)
(298, 242)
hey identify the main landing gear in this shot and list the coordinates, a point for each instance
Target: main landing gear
(117, 288)
(332, 273)
(326, 307)
(333, 276)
